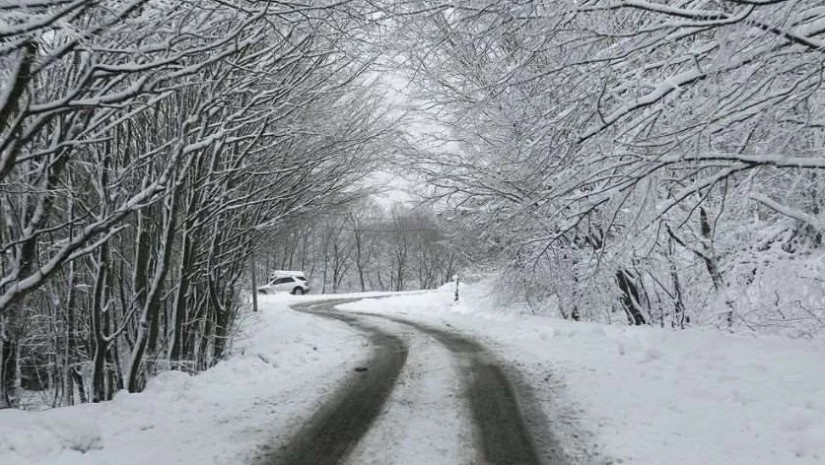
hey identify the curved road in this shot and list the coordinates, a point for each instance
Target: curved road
(504, 436)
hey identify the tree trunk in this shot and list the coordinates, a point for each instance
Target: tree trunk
(254, 280)
(176, 351)
(151, 310)
(101, 345)
(711, 262)
(630, 297)
(9, 362)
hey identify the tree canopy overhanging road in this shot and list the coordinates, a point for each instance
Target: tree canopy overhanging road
(620, 162)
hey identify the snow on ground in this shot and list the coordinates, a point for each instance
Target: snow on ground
(281, 368)
(649, 395)
(614, 394)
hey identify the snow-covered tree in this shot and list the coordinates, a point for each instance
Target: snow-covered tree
(143, 147)
(613, 149)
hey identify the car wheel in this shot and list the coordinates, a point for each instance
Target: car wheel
(298, 291)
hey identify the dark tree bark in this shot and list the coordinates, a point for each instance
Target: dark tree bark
(101, 345)
(630, 297)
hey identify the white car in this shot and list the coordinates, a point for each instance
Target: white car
(293, 284)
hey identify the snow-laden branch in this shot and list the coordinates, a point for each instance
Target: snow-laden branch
(790, 212)
(660, 91)
(23, 284)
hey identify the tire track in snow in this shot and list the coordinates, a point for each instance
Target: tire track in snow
(332, 432)
(427, 418)
(504, 435)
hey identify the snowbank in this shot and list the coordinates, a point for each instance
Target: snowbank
(652, 396)
(281, 367)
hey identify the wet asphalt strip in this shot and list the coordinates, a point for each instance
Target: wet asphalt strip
(504, 436)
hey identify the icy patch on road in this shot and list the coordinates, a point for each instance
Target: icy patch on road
(646, 395)
(282, 367)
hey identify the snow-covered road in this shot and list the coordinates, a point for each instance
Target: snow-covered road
(645, 395)
(601, 394)
(345, 416)
(472, 392)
